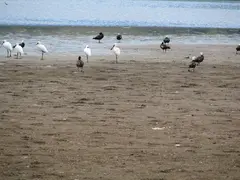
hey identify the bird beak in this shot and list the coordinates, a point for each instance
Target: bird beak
(112, 47)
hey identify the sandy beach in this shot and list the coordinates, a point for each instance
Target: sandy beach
(146, 118)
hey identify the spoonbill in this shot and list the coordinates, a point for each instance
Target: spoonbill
(41, 48)
(116, 50)
(18, 49)
(7, 45)
(87, 52)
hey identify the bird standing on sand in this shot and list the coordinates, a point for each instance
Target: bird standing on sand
(192, 66)
(18, 49)
(237, 49)
(198, 59)
(166, 40)
(116, 51)
(119, 37)
(87, 52)
(164, 47)
(99, 37)
(80, 64)
(41, 48)
(7, 45)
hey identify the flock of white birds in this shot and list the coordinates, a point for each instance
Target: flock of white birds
(18, 48)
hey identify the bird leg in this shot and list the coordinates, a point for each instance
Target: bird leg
(17, 55)
(42, 56)
(116, 59)
(98, 41)
(87, 58)
(82, 69)
(10, 53)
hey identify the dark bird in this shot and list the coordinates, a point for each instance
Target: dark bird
(80, 63)
(164, 47)
(166, 40)
(198, 59)
(22, 44)
(119, 37)
(237, 49)
(192, 66)
(99, 37)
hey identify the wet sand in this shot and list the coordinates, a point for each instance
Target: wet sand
(146, 118)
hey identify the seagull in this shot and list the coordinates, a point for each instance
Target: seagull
(119, 37)
(198, 59)
(237, 48)
(164, 47)
(80, 64)
(87, 51)
(99, 36)
(7, 45)
(41, 48)
(192, 65)
(116, 51)
(166, 40)
(18, 49)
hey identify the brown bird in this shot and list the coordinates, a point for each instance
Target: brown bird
(198, 59)
(164, 47)
(237, 49)
(80, 64)
(192, 66)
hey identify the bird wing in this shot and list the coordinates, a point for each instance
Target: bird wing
(97, 37)
(88, 51)
(42, 48)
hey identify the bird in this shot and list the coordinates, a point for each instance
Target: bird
(7, 45)
(80, 64)
(119, 37)
(87, 51)
(192, 65)
(166, 40)
(22, 44)
(164, 47)
(116, 50)
(237, 49)
(99, 37)
(18, 49)
(41, 48)
(198, 59)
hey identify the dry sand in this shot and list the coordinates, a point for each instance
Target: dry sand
(146, 118)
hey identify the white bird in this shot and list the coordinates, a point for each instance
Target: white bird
(116, 51)
(87, 51)
(18, 49)
(7, 45)
(41, 48)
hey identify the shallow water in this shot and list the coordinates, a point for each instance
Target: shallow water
(65, 40)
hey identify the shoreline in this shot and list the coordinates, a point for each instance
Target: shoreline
(214, 54)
